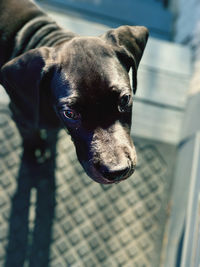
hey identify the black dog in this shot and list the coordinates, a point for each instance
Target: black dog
(53, 76)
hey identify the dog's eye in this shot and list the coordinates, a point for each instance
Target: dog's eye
(124, 102)
(71, 114)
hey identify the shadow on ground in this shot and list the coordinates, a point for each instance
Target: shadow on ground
(26, 244)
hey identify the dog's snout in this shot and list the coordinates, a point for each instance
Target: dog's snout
(115, 174)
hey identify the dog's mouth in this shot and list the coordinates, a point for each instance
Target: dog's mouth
(98, 177)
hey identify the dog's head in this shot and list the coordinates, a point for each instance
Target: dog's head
(87, 81)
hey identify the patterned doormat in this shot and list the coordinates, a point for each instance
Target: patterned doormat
(52, 214)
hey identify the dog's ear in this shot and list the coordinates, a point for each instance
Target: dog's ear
(21, 78)
(128, 43)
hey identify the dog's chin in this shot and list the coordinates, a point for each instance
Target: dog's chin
(93, 173)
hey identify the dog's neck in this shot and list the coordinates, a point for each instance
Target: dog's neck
(23, 18)
(40, 31)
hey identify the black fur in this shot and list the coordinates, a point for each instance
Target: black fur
(55, 77)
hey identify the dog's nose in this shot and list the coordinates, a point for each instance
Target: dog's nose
(115, 174)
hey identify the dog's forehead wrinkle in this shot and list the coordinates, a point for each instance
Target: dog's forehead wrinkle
(90, 44)
(90, 50)
(92, 69)
(84, 53)
(98, 80)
